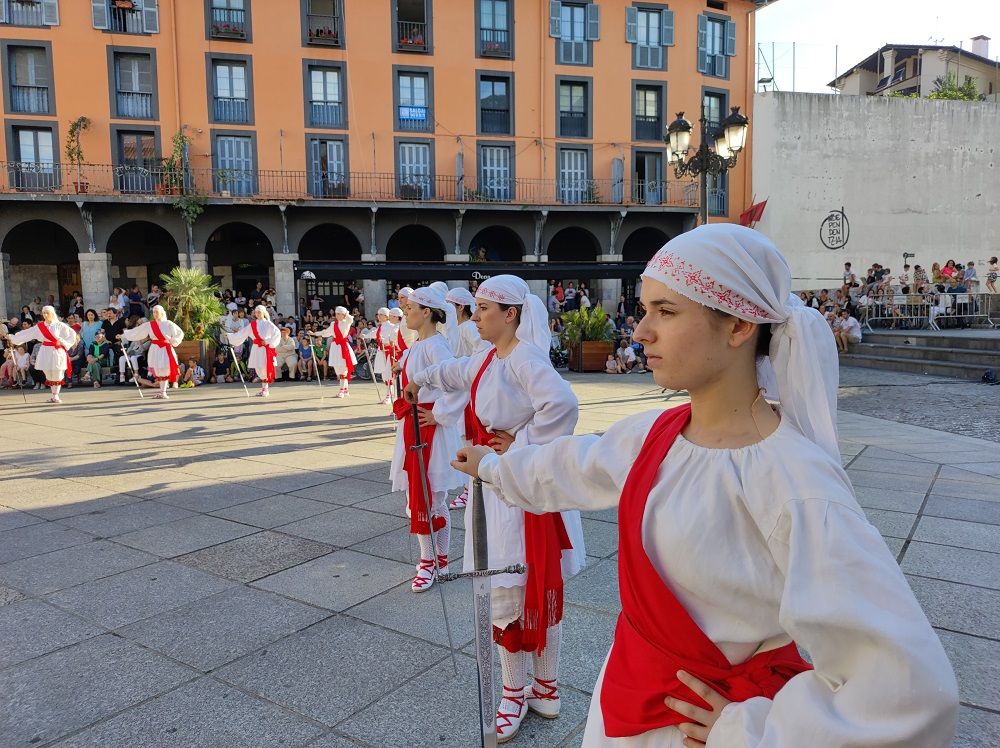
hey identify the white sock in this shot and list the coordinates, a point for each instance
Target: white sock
(426, 547)
(55, 390)
(443, 536)
(514, 667)
(163, 387)
(545, 666)
(265, 386)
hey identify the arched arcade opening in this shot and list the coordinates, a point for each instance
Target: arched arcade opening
(239, 256)
(329, 242)
(141, 252)
(44, 260)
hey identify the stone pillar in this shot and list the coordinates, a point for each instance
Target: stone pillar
(538, 287)
(607, 290)
(182, 259)
(199, 261)
(7, 302)
(375, 290)
(285, 285)
(456, 257)
(95, 277)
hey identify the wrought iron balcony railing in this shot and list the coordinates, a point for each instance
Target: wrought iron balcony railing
(411, 36)
(229, 23)
(494, 42)
(326, 113)
(648, 127)
(495, 121)
(229, 109)
(324, 29)
(134, 104)
(29, 99)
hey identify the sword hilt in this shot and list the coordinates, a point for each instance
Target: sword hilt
(512, 569)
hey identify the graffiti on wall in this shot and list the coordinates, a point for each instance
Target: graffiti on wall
(835, 230)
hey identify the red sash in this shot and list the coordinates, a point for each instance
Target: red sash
(655, 636)
(345, 350)
(53, 342)
(400, 342)
(545, 538)
(269, 352)
(158, 340)
(420, 523)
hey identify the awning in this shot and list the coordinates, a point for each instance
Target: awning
(467, 271)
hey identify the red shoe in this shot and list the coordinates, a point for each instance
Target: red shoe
(509, 722)
(543, 698)
(461, 501)
(425, 577)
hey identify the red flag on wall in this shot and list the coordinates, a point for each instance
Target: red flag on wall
(752, 214)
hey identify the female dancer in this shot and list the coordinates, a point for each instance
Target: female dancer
(464, 342)
(56, 338)
(440, 415)
(384, 334)
(739, 532)
(161, 358)
(342, 358)
(265, 335)
(519, 399)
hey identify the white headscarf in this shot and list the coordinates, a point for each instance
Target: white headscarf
(263, 309)
(509, 289)
(405, 292)
(460, 296)
(383, 310)
(440, 286)
(51, 310)
(158, 313)
(348, 317)
(739, 271)
(431, 297)
(396, 312)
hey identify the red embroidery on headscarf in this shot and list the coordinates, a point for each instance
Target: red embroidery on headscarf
(694, 278)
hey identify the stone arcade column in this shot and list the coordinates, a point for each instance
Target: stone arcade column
(6, 300)
(375, 290)
(539, 287)
(95, 277)
(284, 283)
(607, 290)
(199, 261)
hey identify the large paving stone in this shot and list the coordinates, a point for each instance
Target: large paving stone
(8, 596)
(332, 669)
(203, 714)
(906, 466)
(289, 482)
(953, 564)
(137, 594)
(870, 479)
(11, 519)
(30, 628)
(391, 503)
(977, 666)
(959, 607)
(601, 538)
(215, 630)
(977, 728)
(596, 587)
(339, 580)
(400, 545)
(586, 638)
(334, 740)
(966, 490)
(108, 523)
(185, 535)
(950, 473)
(975, 535)
(55, 499)
(273, 511)
(254, 556)
(199, 497)
(967, 509)
(50, 696)
(891, 524)
(894, 501)
(34, 540)
(344, 526)
(344, 491)
(57, 570)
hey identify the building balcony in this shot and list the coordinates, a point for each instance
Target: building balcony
(718, 202)
(134, 104)
(229, 23)
(326, 114)
(29, 99)
(125, 21)
(495, 121)
(324, 30)
(229, 109)
(572, 124)
(108, 180)
(411, 36)
(20, 13)
(415, 119)
(494, 42)
(648, 128)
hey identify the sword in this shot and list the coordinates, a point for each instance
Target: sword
(418, 445)
(135, 375)
(239, 370)
(371, 368)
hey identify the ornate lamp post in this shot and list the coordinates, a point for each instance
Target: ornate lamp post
(727, 141)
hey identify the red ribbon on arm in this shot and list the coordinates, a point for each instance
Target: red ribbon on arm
(158, 340)
(655, 635)
(345, 350)
(269, 352)
(53, 342)
(545, 538)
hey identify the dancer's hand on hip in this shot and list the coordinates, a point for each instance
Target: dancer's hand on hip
(426, 417)
(468, 458)
(702, 720)
(501, 441)
(410, 392)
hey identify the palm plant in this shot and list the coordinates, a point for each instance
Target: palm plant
(586, 324)
(192, 302)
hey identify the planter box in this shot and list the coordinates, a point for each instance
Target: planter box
(203, 350)
(590, 355)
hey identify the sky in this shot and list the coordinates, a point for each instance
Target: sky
(831, 37)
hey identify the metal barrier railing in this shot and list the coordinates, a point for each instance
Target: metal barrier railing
(929, 311)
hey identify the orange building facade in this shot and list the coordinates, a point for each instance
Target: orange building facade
(376, 131)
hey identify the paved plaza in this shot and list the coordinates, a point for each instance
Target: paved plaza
(213, 571)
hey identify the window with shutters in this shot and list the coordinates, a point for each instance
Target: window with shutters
(496, 179)
(716, 44)
(234, 165)
(574, 109)
(34, 166)
(413, 102)
(126, 16)
(574, 36)
(494, 105)
(133, 86)
(326, 97)
(494, 28)
(137, 168)
(229, 19)
(574, 183)
(37, 13)
(323, 22)
(714, 104)
(29, 75)
(328, 175)
(231, 92)
(650, 31)
(411, 19)
(414, 171)
(647, 178)
(648, 112)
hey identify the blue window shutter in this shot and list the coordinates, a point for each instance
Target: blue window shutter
(631, 25)
(667, 28)
(730, 39)
(656, 58)
(720, 66)
(703, 62)
(593, 22)
(50, 12)
(99, 13)
(555, 18)
(617, 180)
(150, 17)
(3, 12)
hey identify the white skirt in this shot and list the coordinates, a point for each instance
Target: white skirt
(440, 473)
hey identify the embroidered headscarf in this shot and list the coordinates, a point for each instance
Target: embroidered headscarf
(462, 297)
(432, 298)
(509, 289)
(441, 287)
(739, 271)
(264, 314)
(347, 315)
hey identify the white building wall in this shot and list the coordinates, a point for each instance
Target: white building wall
(911, 175)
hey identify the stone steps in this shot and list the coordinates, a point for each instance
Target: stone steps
(986, 358)
(970, 372)
(962, 354)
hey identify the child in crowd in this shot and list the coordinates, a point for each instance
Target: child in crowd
(220, 370)
(8, 370)
(93, 373)
(194, 375)
(992, 271)
(611, 366)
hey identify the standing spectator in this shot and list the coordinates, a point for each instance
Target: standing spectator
(36, 307)
(850, 279)
(992, 271)
(621, 311)
(153, 297)
(560, 294)
(970, 278)
(569, 297)
(919, 278)
(257, 293)
(88, 329)
(553, 305)
(583, 298)
(135, 306)
(76, 304)
(904, 277)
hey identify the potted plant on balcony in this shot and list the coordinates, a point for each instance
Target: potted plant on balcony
(411, 191)
(588, 336)
(224, 179)
(124, 4)
(192, 302)
(74, 152)
(173, 166)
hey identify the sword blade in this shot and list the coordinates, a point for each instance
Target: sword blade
(483, 611)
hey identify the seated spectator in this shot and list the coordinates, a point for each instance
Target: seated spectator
(287, 357)
(100, 350)
(78, 358)
(8, 370)
(625, 356)
(22, 360)
(969, 278)
(193, 375)
(611, 366)
(92, 373)
(848, 330)
(305, 351)
(220, 369)
(131, 355)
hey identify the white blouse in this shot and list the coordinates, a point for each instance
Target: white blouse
(49, 358)
(157, 357)
(763, 545)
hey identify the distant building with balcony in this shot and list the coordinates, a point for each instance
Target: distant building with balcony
(379, 133)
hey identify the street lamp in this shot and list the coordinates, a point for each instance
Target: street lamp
(716, 154)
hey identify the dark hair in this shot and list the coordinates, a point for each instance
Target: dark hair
(505, 307)
(90, 311)
(437, 315)
(763, 334)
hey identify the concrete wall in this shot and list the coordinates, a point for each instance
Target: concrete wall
(29, 281)
(911, 175)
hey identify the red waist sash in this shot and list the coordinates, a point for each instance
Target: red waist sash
(269, 352)
(545, 538)
(159, 341)
(345, 350)
(655, 635)
(53, 342)
(420, 523)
